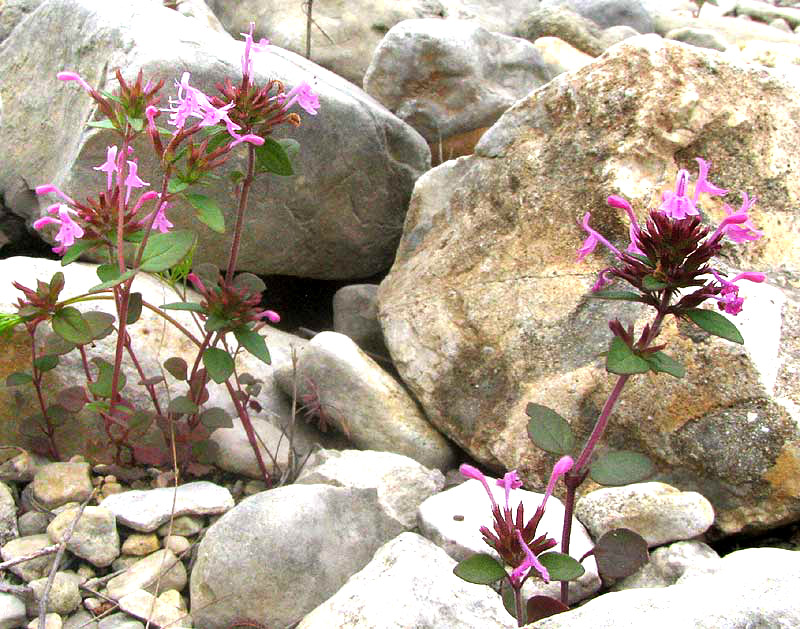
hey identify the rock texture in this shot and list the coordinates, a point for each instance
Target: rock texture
(485, 309)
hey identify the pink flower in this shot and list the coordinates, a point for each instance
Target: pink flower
(68, 231)
(729, 301)
(192, 102)
(133, 180)
(74, 76)
(161, 222)
(591, 242)
(746, 230)
(473, 472)
(530, 561)
(562, 466)
(303, 95)
(252, 138)
(48, 188)
(633, 229)
(109, 166)
(508, 482)
(249, 44)
(703, 185)
(271, 315)
(677, 204)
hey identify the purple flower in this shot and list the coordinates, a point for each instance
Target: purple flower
(633, 229)
(271, 315)
(746, 230)
(249, 44)
(591, 242)
(48, 188)
(729, 299)
(473, 472)
(703, 185)
(303, 95)
(562, 466)
(109, 166)
(252, 138)
(530, 561)
(508, 482)
(677, 204)
(133, 180)
(74, 76)
(161, 222)
(68, 231)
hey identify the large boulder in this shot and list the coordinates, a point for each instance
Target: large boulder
(606, 13)
(485, 309)
(339, 217)
(447, 77)
(277, 555)
(344, 33)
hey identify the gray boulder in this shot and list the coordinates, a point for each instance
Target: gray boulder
(280, 553)
(447, 77)
(341, 215)
(605, 13)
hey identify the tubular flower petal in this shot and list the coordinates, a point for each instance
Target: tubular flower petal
(473, 472)
(109, 166)
(508, 482)
(161, 222)
(74, 76)
(703, 185)
(562, 466)
(270, 315)
(133, 180)
(591, 241)
(529, 562)
(744, 231)
(249, 44)
(303, 95)
(677, 204)
(48, 188)
(69, 230)
(728, 298)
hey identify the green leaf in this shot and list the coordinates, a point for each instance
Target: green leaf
(642, 258)
(291, 146)
(272, 157)
(101, 124)
(177, 367)
(253, 342)
(481, 568)
(183, 406)
(75, 251)
(165, 250)
(507, 595)
(715, 323)
(621, 467)
(651, 283)
(101, 324)
(622, 360)
(184, 305)
(208, 212)
(176, 185)
(101, 387)
(659, 361)
(218, 363)
(548, 430)
(216, 418)
(620, 553)
(17, 378)
(215, 323)
(70, 325)
(205, 451)
(46, 363)
(137, 124)
(623, 295)
(250, 283)
(121, 277)
(107, 272)
(134, 308)
(137, 236)
(561, 567)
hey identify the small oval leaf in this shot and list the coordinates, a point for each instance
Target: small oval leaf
(621, 467)
(621, 359)
(218, 363)
(166, 250)
(539, 607)
(46, 363)
(176, 367)
(561, 567)
(661, 362)
(481, 568)
(208, 211)
(213, 418)
(715, 323)
(70, 325)
(548, 430)
(253, 342)
(620, 553)
(17, 378)
(182, 405)
(134, 308)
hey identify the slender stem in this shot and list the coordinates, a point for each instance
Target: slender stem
(518, 603)
(250, 431)
(237, 232)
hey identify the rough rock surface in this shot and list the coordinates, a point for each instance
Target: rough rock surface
(337, 218)
(485, 309)
(448, 77)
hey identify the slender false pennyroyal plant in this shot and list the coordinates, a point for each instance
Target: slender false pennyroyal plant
(669, 264)
(204, 132)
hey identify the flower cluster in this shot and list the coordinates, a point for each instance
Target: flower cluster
(673, 250)
(514, 539)
(229, 305)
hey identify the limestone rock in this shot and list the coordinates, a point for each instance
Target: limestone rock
(161, 567)
(94, 538)
(485, 308)
(448, 77)
(410, 583)
(656, 511)
(57, 484)
(282, 552)
(22, 546)
(364, 402)
(669, 563)
(355, 314)
(605, 13)
(8, 515)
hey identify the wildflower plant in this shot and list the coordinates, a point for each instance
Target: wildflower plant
(199, 135)
(669, 265)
